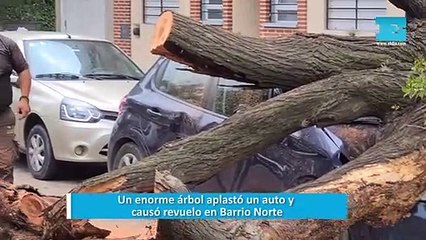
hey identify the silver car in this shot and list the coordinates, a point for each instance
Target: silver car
(78, 83)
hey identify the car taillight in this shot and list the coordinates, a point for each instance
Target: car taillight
(123, 106)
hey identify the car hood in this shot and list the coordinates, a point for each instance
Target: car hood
(103, 94)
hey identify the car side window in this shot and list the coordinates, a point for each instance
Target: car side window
(179, 81)
(233, 96)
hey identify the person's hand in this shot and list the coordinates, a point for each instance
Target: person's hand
(23, 108)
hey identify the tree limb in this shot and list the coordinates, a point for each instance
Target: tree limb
(286, 63)
(413, 8)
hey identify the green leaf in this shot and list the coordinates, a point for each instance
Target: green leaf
(416, 83)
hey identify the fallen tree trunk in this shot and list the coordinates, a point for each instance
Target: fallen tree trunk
(197, 158)
(21, 214)
(185, 229)
(383, 184)
(413, 8)
(286, 63)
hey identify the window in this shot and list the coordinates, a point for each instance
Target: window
(351, 15)
(212, 12)
(179, 82)
(78, 57)
(154, 8)
(284, 12)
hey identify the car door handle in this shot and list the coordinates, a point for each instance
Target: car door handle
(154, 113)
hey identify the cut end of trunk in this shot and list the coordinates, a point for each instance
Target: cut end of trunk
(32, 206)
(162, 31)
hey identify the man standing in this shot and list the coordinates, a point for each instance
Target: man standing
(11, 58)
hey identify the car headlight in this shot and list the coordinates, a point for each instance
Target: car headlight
(79, 111)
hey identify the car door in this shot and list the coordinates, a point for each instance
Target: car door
(172, 104)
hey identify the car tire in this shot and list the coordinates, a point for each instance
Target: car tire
(40, 160)
(128, 154)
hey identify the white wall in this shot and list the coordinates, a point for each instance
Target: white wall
(245, 17)
(141, 45)
(317, 10)
(92, 18)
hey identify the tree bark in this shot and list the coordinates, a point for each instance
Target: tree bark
(383, 184)
(21, 214)
(286, 63)
(412, 8)
(184, 229)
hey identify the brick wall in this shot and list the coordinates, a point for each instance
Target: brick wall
(122, 17)
(227, 15)
(195, 12)
(271, 32)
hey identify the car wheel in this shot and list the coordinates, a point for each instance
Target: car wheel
(127, 155)
(40, 160)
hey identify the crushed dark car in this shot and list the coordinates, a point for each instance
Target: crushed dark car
(172, 102)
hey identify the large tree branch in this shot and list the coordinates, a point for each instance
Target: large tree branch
(185, 229)
(413, 8)
(21, 215)
(287, 63)
(383, 184)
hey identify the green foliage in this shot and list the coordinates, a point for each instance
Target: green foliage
(416, 83)
(41, 11)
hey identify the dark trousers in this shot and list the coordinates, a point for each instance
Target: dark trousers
(8, 147)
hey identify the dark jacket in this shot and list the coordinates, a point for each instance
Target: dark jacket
(11, 58)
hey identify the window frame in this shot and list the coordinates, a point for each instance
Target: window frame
(205, 7)
(159, 76)
(162, 8)
(356, 19)
(275, 6)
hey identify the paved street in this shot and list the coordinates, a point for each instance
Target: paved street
(71, 175)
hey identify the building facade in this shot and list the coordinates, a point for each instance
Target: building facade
(134, 20)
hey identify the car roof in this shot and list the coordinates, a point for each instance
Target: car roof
(23, 34)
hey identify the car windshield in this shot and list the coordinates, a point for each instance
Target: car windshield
(76, 59)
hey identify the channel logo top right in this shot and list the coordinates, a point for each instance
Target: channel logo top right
(391, 30)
